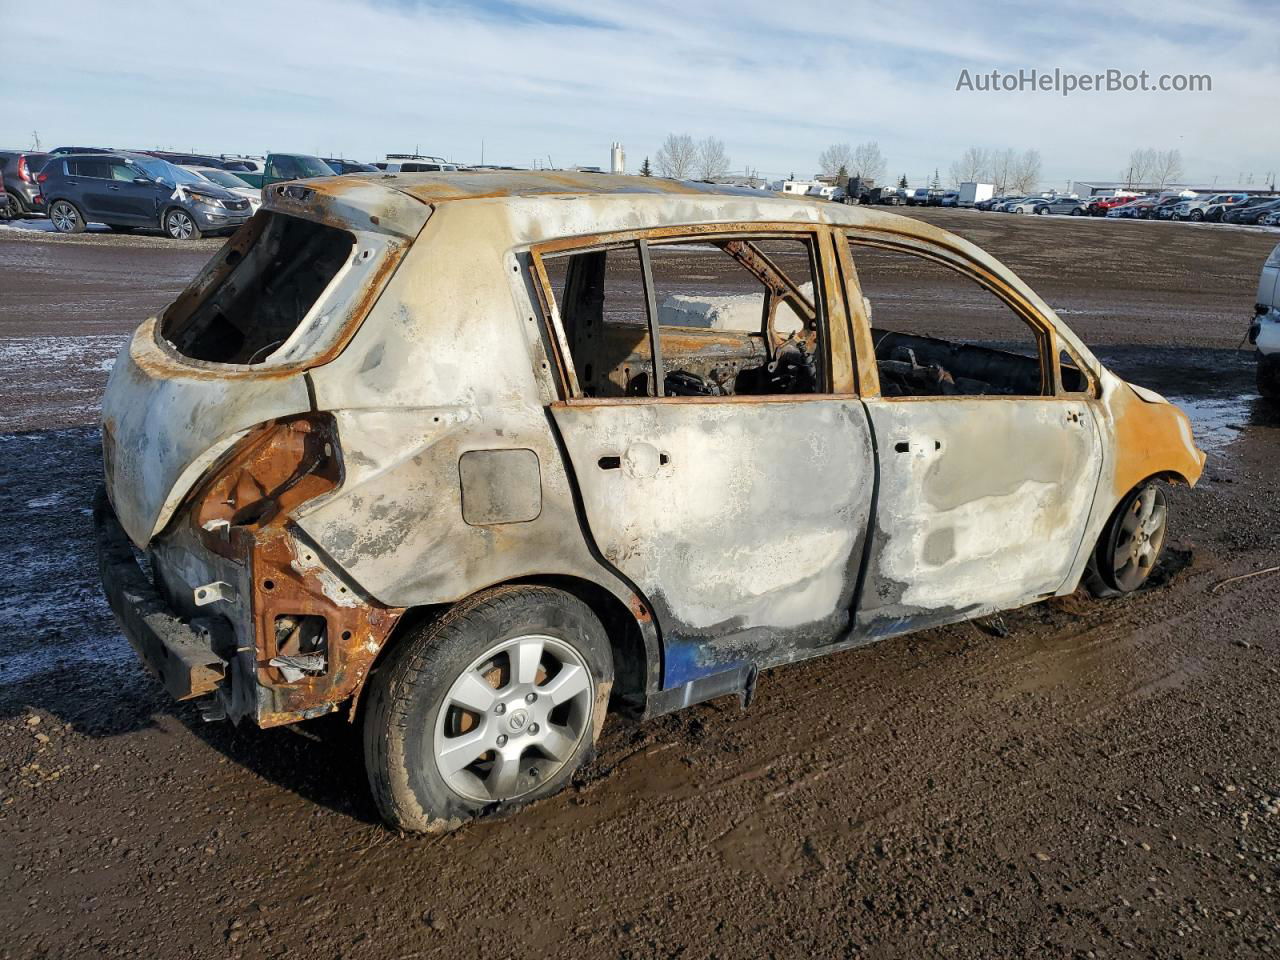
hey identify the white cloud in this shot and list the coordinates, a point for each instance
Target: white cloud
(563, 78)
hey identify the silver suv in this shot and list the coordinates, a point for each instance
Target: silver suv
(1197, 209)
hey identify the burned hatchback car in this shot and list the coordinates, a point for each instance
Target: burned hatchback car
(477, 457)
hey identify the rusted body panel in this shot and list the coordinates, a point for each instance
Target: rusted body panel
(738, 531)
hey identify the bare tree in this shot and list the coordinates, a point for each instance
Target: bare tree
(1026, 172)
(868, 161)
(1001, 171)
(1166, 168)
(1141, 164)
(974, 165)
(712, 162)
(833, 158)
(677, 156)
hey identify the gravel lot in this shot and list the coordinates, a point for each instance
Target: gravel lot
(1086, 779)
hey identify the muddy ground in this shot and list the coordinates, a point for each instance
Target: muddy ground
(1102, 781)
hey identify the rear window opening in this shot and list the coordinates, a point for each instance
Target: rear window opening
(261, 301)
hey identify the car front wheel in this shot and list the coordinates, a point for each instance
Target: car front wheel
(492, 706)
(1197, 216)
(180, 225)
(66, 217)
(1269, 377)
(1042, 211)
(1131, 543)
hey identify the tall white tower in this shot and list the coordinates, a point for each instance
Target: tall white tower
(617, 159)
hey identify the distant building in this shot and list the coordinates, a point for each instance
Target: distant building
(617, 159)
(1111, 188)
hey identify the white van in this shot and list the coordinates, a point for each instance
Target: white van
(406, 163)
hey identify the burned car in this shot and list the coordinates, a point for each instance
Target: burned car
(477, 457)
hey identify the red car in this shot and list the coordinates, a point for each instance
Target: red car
(1099, 206)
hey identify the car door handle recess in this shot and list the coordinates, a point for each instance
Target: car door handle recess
(638, 457)
(905, 446)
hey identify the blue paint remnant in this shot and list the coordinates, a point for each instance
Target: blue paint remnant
(683, 662)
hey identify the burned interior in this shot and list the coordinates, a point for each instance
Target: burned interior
(1001, 355)
(630, 308)
(266, 294)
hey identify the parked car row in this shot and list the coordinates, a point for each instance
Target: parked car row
(186, 195)
(1239, 208)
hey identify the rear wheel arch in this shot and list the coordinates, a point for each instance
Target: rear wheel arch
(416, 727)
(633, 640)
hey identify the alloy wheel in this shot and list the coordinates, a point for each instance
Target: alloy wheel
(180, 225)
(1140, 538)
(513, 718)
(64, 216)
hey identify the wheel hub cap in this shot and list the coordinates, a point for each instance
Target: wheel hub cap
(513, 718)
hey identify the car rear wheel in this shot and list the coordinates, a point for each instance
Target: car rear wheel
(1131, 543)
(492, 706)
(1042, 211)
(1077, 212)
(180, 225)
(66, 217)
(1197, 216)
(16, 207)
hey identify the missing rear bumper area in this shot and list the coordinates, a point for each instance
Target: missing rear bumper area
(180, 654)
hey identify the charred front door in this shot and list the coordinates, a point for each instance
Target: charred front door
(988, 449)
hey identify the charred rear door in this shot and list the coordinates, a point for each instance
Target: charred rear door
(732, 490)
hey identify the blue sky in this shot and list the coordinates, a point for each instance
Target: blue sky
(559, 80)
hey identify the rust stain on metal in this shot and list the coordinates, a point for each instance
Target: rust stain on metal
(242, 513)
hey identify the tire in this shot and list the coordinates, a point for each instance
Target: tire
(457, 679)
(1269, 377)
(1041, 211)
(1131, 543)
(16, 207)
(180, 225)
(1077, 212)
(1196, 216)
(66, 217)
